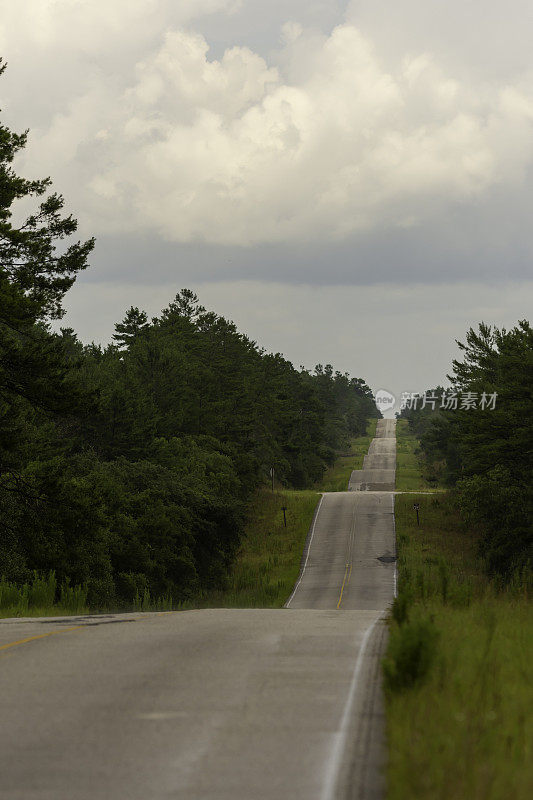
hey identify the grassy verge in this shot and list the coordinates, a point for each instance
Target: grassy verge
(457, 671)
(268, 563)
(408, 465)
(336, 477)
(41, 598)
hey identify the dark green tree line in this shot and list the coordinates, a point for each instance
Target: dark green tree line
(488, 453)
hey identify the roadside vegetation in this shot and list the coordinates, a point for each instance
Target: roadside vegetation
(268, 562)
(41, 597)
(457, 671)
(458, 667)
(482, 450)
(410, 473)
(336, 477)
(269, 558)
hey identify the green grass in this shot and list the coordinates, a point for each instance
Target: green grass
(336, 478)
(268, 564)
(409, 476)
(41, 598)
(464, 731)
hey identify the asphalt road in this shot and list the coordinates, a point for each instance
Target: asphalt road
(379, 465)
(238, 704)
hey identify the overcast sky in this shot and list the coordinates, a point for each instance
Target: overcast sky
(349, 181)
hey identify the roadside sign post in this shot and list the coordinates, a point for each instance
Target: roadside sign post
(416, 507)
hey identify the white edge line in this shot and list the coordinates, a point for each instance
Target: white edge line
(339, 738)
(307, 554)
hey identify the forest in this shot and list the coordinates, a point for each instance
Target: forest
(485, 454)
(129, 468)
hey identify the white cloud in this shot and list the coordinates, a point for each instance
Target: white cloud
(92, 25)
(161, 139)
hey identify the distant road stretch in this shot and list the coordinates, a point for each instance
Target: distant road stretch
(217, 704)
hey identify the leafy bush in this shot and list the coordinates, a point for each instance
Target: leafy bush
(400, 608)
(411, 653)
(503, 509)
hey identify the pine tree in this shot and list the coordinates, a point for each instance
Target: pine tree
(134, 323)
(29, 258)
(37, 266)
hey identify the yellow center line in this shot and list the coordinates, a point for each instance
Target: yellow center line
(347, 573)
(40, 636)
(73, 628)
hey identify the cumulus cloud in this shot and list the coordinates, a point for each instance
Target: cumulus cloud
(162, 139)
(478, 38)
